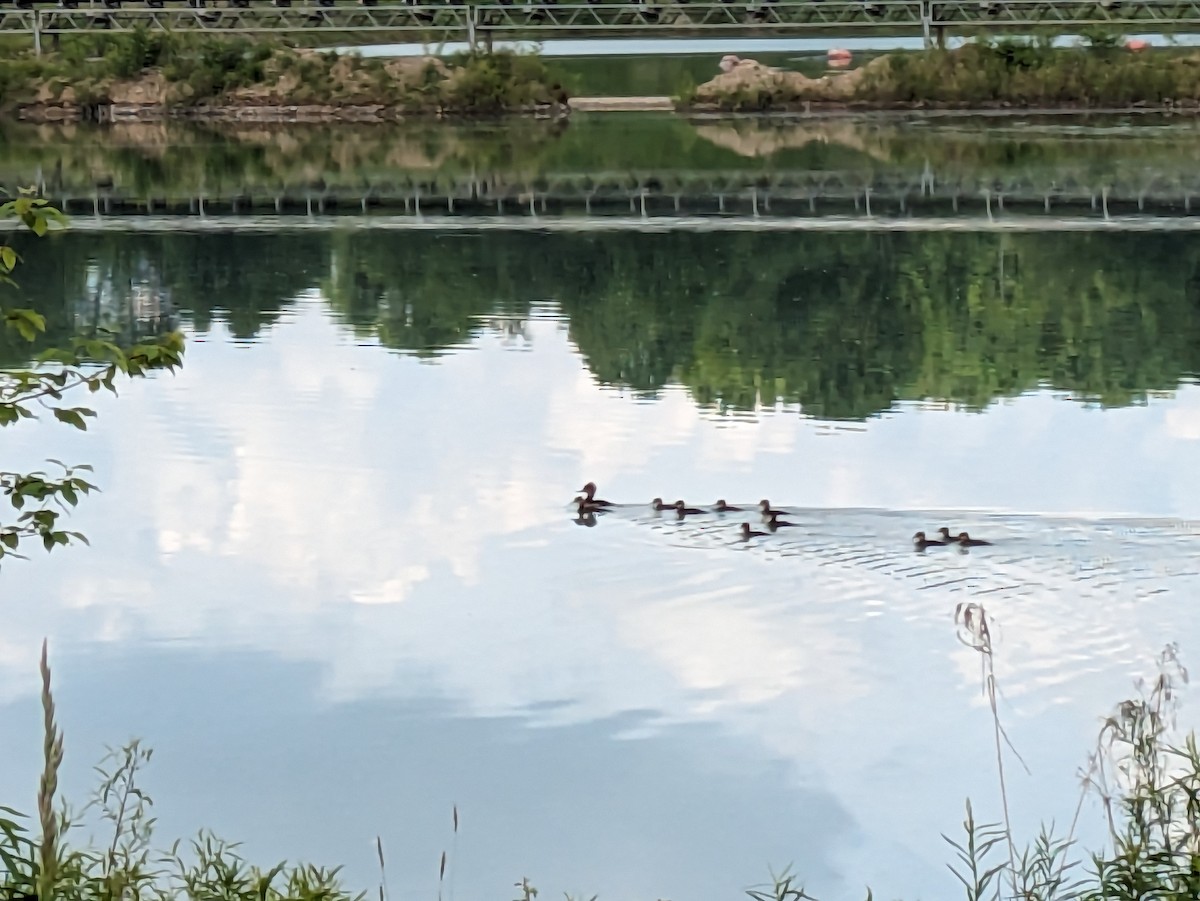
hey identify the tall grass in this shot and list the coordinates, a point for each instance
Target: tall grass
(126, 867)
(1149, 786)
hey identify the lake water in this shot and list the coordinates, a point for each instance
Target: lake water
(336, 582)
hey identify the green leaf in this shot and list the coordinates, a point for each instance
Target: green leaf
(8, 258)
(10, 540)
(71, 417)
(27, 322)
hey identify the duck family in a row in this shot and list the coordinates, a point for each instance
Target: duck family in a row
(962, 539)
(588, 505)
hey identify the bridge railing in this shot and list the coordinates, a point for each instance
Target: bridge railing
(478, 22)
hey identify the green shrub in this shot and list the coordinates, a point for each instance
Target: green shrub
(137, 51)
(1029, 74)
(494, 82)
(199, 68)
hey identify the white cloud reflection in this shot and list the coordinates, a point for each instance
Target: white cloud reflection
(403, 527)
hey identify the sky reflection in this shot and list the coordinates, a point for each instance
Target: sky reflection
(331, 579)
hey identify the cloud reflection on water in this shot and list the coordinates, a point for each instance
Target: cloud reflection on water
(395, 534)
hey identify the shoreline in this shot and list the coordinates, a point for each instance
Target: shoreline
(358, 114)
(622, 104)
(271, 114)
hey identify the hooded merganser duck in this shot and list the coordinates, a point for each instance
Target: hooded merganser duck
(765, 506)
(776, 523)
(586, 506)
(722, 507)
(920, 542)
(748, 533)
(589, 491)
(966, 540)
(657, 504)
(945, 535)
(684, 510)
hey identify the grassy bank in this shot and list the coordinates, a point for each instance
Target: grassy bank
(158, 73)
(982, 75)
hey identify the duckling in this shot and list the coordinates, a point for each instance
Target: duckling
(920, 542)
(965, 540)
(765, 506)
(776, 523)
(722, 507)
(684, 510)
(748, 533)
(657, 504)
(589, 491)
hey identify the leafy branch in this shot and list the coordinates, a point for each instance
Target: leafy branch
(95, 361)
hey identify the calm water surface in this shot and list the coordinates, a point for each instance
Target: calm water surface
(334, 578)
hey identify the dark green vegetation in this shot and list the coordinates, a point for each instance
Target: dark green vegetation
(847, 325)
(1036, 74)
(985, 74)
(43, 363)
(163, 70)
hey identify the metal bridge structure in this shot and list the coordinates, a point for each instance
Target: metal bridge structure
(480, 23)
(902, 192)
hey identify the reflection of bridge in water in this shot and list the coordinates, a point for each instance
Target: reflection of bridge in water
(894, 192)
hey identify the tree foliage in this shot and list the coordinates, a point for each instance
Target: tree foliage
(844, 325)
(40, 382)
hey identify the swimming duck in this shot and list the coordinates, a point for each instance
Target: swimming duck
(589, 491)
(765, 506)
(776, 523)
(748, 533)
(586, 506)
(722, 507)
(966, 540)
(945, 535)
(657, 504)
(920, 542)
(684, 510)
